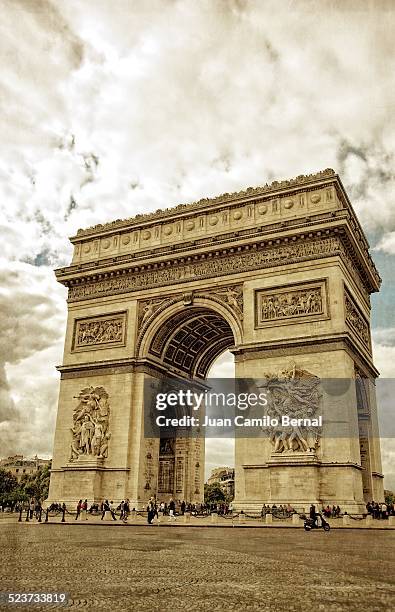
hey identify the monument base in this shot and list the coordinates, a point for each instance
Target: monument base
(87, 478)
(301, 479)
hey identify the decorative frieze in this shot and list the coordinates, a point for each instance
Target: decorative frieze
(355, 319)
(209, 267)
(283, 304)
(99, 332)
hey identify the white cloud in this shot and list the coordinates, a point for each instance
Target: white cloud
(384, 352)
(387, 243)
(32, 327)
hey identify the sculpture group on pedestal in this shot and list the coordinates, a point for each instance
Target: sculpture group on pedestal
(90, 433)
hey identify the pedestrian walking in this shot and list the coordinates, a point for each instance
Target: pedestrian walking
(151, 511)
(172, 509)
(126, 510)
(37, 509)
(79, 508)
(84, 509)
(112, 511)
(107, 507)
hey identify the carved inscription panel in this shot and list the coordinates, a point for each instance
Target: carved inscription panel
(99, 332)
(289, 304)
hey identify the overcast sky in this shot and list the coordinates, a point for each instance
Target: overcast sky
(112, 107)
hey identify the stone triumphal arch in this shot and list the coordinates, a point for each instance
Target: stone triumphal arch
(280, 275)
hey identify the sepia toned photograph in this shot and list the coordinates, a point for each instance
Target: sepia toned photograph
(197, 359)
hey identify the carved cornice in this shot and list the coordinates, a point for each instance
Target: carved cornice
(221, 199)
(317, 463)
(97, 368)
(301, 346)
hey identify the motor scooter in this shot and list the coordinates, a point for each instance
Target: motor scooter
(318, 523)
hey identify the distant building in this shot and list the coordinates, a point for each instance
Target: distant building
(225, 477)
(19, 466)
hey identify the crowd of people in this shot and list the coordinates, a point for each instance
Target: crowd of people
(283, 510)
(333, 512)
(380, 511)
(175, 508)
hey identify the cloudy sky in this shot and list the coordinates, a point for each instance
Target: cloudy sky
(110, 108)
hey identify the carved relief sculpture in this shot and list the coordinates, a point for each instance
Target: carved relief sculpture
(355, 320)
(146, 309)
(149, 463)
(90, 431)
(99, 331)
(294, 393)
(291, 304)
(287, 303)
(232, 295)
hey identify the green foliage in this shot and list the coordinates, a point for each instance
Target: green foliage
(389, 497)
(213, 494)
(31, 485)
(17, 495)
(8, 483)
(37, 485)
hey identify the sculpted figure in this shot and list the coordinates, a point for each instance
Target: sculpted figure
(87, 428)
(90, 433)
(75, 444)
(103, 452)
(231, 296)
(148, 311)
(97, 438)
(293, 393)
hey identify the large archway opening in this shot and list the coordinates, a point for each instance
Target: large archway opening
(191, 343)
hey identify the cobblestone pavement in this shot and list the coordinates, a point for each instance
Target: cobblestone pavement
(186, 568)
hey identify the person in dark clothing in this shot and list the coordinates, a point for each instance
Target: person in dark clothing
(313, 514)
(108, 508)
(126, 511)
(183, 507)
(79, 507)
(151, 511)
(172, 509)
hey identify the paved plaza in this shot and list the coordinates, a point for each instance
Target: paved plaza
(145, 568)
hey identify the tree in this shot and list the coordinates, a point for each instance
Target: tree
(389, 496)
(36, 485)
(213, 494)
(8, 483)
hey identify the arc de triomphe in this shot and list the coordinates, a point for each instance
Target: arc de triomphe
(278, 274)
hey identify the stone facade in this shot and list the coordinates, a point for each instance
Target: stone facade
(280, 275)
